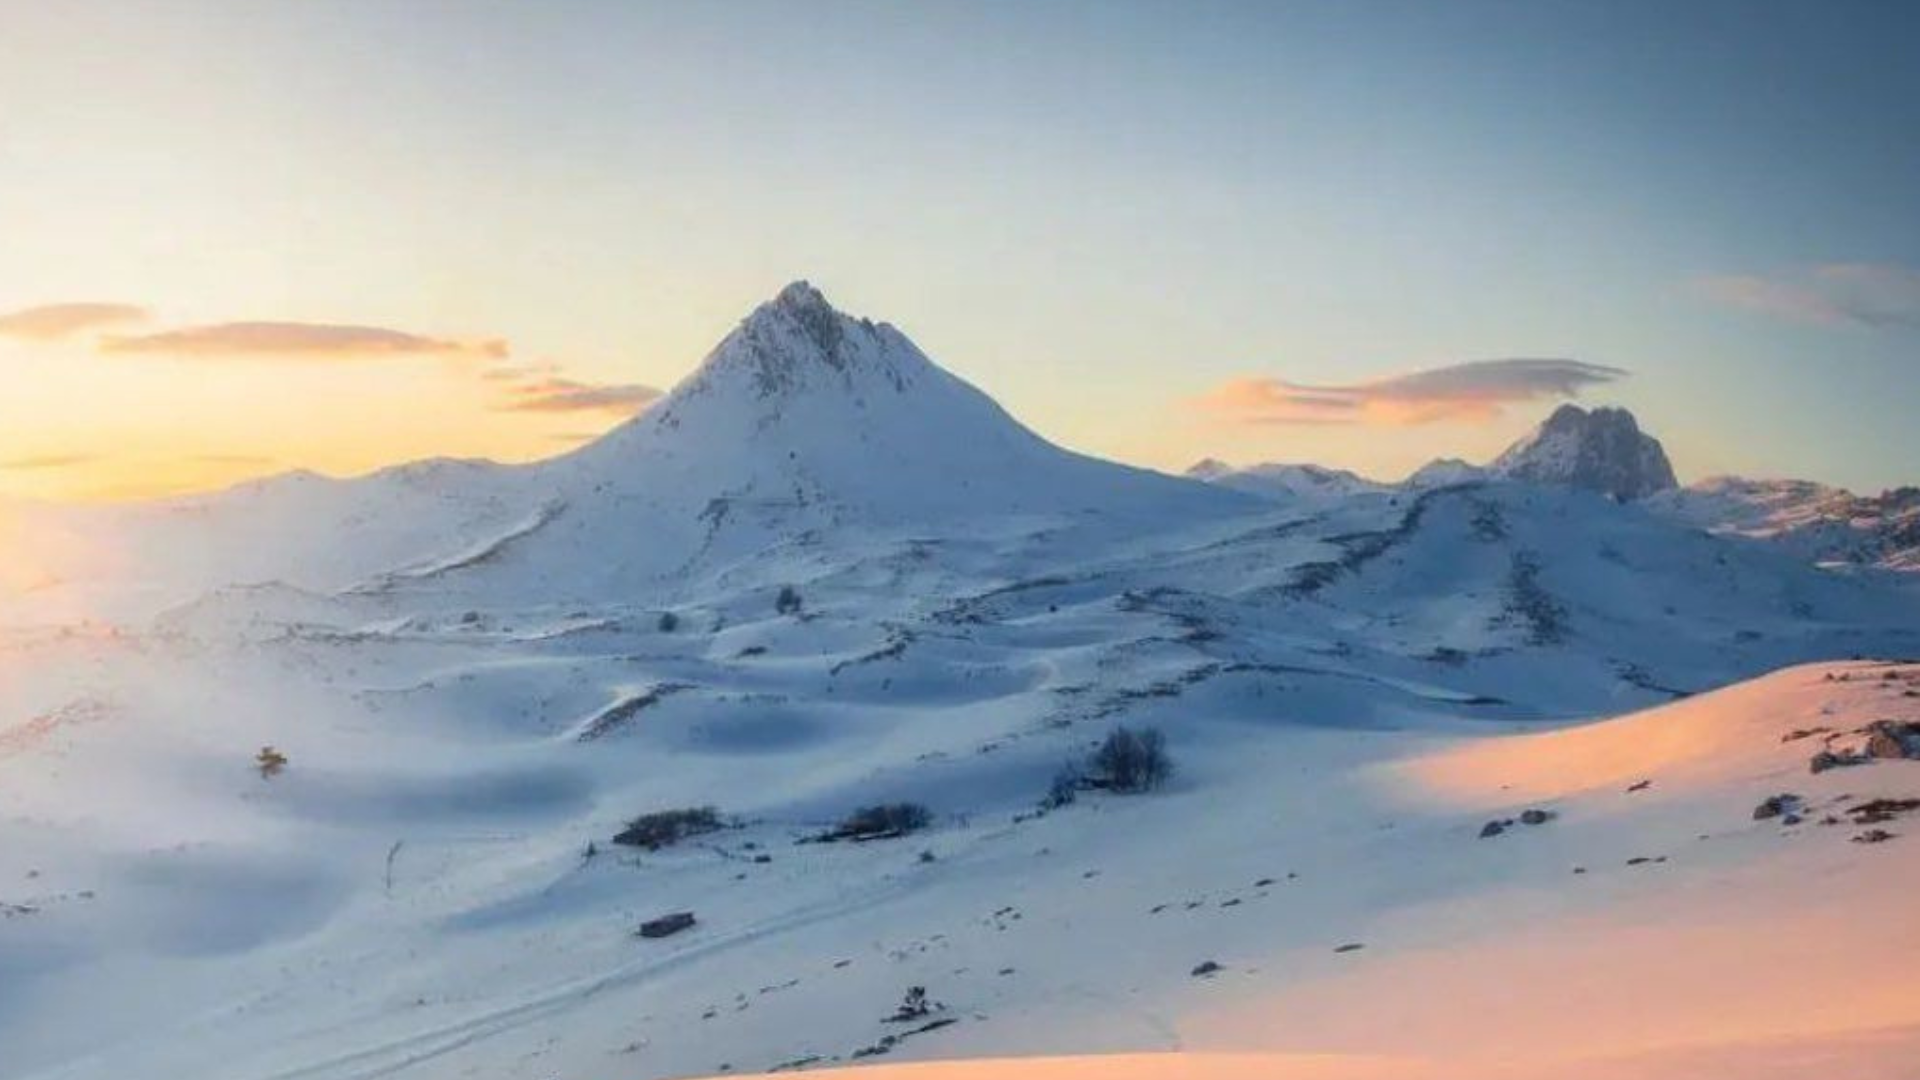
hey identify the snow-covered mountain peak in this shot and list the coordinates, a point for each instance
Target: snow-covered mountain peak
(1601, 449)
(802, 405)
(797, 342)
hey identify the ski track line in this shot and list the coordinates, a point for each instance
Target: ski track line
(408, 1051)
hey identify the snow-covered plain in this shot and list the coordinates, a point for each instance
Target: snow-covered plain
(468, 668)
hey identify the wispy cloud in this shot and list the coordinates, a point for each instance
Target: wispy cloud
(233, 459)
(559, 395)
(1870, 295)
(48, 461)
(297, 340)
(1475, 391)
(519, 372)
(50, 322)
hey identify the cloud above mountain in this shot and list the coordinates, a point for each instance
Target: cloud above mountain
(297, 340)
(52, 322)
(1474, 391)
(553, 394)
(1865, 295)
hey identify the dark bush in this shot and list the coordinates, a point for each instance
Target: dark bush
(669, 622)
(881, 822)
(665, 828)
(1131, 761)
(788, 602)
(1064, 789)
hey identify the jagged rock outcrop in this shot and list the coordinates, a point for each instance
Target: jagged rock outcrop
(1600, 450)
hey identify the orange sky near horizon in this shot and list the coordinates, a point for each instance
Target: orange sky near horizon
(93, 426)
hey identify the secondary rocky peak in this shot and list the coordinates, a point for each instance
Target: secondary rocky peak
(1601, 450)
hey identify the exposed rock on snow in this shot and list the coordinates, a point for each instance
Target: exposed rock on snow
(667, 925)
(1834, 759)
(1893, 739)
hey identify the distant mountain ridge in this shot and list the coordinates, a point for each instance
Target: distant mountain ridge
(1604, 450)
(1817, 522)
(1276, 479)
(1600, 450)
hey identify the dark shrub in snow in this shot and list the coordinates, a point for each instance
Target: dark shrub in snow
(882, 821)
(666, 828)
(788, 602)
(1064, 789)
(1131, 760)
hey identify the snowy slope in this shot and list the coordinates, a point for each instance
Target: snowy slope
(479, 673)
(1651, 930)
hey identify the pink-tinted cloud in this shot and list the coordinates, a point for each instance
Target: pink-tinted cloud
(50, 322)
(298, 340)
(1871, 295)
(559, 395)
(1476, 391)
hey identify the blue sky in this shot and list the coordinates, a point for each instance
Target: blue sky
(1108, 215)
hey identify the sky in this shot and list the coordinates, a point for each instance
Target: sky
(237, 239)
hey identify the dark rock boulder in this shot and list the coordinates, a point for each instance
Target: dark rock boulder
(667, 925)
(1893, 739)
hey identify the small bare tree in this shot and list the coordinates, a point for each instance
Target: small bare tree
(1131, 761)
